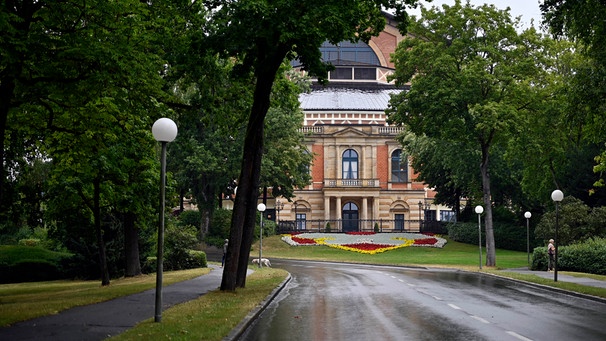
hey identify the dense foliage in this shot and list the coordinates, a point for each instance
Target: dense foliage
(29, 264)
(507, 236)
(587, 257)
(472, 77)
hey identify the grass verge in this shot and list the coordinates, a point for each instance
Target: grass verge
(24, 301)
(212, 316)
(578, 288)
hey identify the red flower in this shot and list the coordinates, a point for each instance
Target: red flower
(426, 241)
(368, 246)
(303, 241)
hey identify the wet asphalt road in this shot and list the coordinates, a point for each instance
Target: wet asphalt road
(330, 301)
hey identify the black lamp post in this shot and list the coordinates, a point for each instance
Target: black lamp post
(164, 131)
(420, 216)
(556, 196)
(279, 207)
(527, 215)
(261, 208)
(428, 217)
(479, 210)
(296, 216)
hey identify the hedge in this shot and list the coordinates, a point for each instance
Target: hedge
(586, 257)
(20, 263)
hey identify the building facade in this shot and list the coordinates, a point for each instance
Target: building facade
(362, 180)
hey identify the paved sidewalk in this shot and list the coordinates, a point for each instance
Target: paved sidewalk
(102, 320)
(561, 277)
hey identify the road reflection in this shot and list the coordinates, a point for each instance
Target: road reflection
(333, 301)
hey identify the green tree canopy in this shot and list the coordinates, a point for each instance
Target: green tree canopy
(261, 34)
(471, 75)
(585, 22)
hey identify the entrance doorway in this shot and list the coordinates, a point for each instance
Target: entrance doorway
(350, 217)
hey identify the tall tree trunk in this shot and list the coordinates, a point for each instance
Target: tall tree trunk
(487, 196)
(100, 242)
(131, 246)
(7, 88)
(245, 205)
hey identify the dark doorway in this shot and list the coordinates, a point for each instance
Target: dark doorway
(350, 217)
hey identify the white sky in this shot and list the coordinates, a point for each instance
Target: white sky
(527, 9)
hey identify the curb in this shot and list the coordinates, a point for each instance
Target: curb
(550, 288)
(238, 330)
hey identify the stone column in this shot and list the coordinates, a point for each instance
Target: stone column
(365, 212)
(339, 211)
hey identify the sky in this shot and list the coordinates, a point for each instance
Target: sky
(527, 9)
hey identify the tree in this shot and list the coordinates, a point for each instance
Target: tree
(261, 34)
(577, 223)
(83, 80)
(206, 154)
(585, 22)
(446, 166)
(286, 161)
(471, 76)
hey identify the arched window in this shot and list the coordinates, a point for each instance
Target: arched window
(348, 53)
(350, 164)
(399, 166)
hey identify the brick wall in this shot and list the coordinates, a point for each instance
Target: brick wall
(317, 170)
(382, 165)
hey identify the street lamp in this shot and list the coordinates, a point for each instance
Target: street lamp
(279, 207)
(427, 217)
(420, 216)
(479, 210)
(164, 131)
(261, 208)
(527, 215)
(296, 216)
(556, 196)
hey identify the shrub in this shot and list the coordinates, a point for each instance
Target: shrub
(219, 228)
(193, 259)
(177, 243)
(149, 265)
(327, 228)
(539, 259)
(31, 264)
(507, 236)
(577, 222)
(269, 229)
(587, 257)
(190, 217)
(510, 237)
(464, 232)
(30, 242)
(197, 259)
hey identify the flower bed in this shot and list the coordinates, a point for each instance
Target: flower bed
(364, 242)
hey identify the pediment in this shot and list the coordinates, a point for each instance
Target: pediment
(350, 132)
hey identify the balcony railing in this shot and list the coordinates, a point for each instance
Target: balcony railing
(351, 182)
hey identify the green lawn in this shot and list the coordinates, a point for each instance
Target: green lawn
(453, 254)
